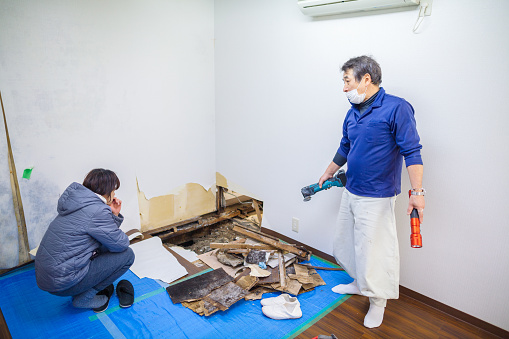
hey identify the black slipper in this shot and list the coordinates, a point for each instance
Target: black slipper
(125, 293)
(108, 292)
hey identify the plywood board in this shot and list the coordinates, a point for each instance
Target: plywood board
(188, 201)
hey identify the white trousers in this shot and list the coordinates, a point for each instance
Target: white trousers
(366, 245)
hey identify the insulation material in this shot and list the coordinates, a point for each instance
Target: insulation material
(188, 201)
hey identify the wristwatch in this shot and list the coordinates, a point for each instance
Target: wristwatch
(418, 191)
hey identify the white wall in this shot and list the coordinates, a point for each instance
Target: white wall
(124, 85)
(279, 112)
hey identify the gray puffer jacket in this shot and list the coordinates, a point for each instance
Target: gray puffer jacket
(83, 224)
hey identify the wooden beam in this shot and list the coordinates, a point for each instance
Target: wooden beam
(220, 202)
(282, 270)
(23, 255)
(258, 213)
(241, 246)
(302, 253)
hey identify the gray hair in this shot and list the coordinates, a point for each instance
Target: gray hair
(364, 65)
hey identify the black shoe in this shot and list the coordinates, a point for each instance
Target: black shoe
(108, 292)
(125, 293)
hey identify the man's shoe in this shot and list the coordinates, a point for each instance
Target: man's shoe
(279, 300)
(125, 293)
(108, 292)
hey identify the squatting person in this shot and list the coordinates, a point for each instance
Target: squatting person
(83, 250)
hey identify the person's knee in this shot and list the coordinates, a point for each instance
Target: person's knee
(129, 254)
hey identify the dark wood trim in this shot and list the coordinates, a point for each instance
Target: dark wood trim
(4, 330)
(410, 293)
(8, 270)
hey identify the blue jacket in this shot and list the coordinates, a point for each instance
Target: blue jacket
(83, 224)
(375, 144)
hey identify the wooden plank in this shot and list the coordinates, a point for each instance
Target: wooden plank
(214, 220)
(4, 330)
(241, 246)
(220, 202)
(304, 254)
(324, 268)
(258, 213)
(23, 255)
(282, 270)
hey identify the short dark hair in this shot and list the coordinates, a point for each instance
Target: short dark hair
(102, 181)
(364, 65)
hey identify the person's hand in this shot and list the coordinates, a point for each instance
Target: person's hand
(116, 205)
(417, 202)
(323, 178)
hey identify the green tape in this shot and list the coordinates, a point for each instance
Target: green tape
(27, 173)
(325, 261)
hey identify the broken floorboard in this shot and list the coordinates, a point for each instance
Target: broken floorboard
(198, 287)
(301, 252)
(197, 224)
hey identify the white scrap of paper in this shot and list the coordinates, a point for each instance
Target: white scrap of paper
(154, 261)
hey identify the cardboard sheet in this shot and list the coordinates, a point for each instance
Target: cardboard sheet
(187, 254)
(154, 261)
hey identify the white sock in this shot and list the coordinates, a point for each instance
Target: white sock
(347, 289)
(374, 317)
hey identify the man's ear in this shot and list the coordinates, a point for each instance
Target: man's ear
(368, 79)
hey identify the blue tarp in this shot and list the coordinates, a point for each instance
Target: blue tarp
(32, 313)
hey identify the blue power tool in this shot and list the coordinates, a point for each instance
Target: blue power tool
(338, 180)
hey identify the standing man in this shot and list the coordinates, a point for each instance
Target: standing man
(378, 132)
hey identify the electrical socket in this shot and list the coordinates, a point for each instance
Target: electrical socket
(295, 225)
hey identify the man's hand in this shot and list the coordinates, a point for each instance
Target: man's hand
(116, 205)
(324, 178)
(417, 202)
(329, 173)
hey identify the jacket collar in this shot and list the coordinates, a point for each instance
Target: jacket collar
(377, 103)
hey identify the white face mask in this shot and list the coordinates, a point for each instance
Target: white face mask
(354, 97)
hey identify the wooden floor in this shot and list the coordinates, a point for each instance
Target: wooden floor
(403, 318)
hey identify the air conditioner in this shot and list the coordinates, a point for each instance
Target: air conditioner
(330, 7)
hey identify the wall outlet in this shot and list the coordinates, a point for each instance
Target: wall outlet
(295, 225)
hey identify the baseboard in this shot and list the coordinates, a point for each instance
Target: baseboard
(409, 293)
